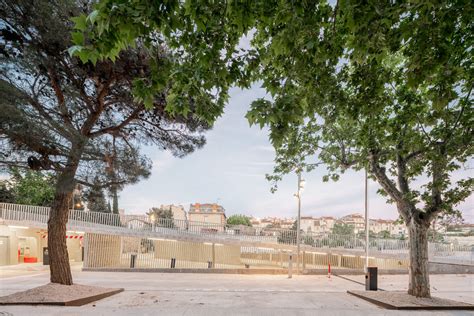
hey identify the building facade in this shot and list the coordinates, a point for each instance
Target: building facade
(357, 221)
(179, 214)
(207, 213)
(318, 225)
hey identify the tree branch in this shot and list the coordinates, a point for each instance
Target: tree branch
(401, 172)
(115, 128)
(403, 205)
(60, 97)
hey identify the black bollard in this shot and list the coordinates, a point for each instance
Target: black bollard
(133, 258)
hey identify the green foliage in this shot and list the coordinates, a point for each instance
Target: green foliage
(342, 229)
(115, 208)
(6, 193)
(239, 220)
(202, 73)
(96, 201)
(84, 121)
(161, 216)
(384, 87)
(308, 240)
(384, 234)
(31, 187)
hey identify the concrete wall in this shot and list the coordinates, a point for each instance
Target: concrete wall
(450, 268)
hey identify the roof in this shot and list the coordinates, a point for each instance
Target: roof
(206, 208)
(355, 215)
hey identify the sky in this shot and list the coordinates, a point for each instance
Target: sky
(230, 170)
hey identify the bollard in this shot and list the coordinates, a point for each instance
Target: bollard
(290, 266)
(133, 258)
(173, 263)
(371, 279)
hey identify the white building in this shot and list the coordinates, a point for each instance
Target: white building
(357, 221)
(179, 214)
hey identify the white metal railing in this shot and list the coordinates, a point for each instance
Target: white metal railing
(132, 225)
(143, 226)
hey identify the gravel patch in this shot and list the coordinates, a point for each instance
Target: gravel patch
(58, 294)
(401, 300)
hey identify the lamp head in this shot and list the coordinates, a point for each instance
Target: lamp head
(302, 184)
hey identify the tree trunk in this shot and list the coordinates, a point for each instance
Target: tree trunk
(419, 284)
(57, 247)
(115, 209)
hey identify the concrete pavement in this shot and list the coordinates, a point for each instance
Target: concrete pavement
(222, 294)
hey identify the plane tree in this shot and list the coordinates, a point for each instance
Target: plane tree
(382, 86)
(85, 121)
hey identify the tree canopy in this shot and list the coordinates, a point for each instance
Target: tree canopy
(239, 220)
(96, 201)
(342, 229)
(29, 187)
(64, 101)
(85, 121)
(161, 216)
(384, 87)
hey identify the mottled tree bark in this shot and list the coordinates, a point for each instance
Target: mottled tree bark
(417, 222)
(419, 283)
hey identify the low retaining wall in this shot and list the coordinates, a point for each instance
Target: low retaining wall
(435, 268)
(450, 268)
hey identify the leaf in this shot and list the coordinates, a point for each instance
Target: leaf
(74, 50)
(77, 38)
(80, 22)
(83, 56)
(93, 16)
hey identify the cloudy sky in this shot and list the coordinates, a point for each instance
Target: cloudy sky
(231, 168)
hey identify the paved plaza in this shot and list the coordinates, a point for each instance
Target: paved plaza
(223, 294)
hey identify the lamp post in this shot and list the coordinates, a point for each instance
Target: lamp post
(152, 218)
(301, 184)
(366, 223)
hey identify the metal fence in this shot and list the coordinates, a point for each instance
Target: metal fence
(110, 251)
(141, 226)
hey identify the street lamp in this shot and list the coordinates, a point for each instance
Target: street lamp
(152, 219)
(366, 222)
(301, 184)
